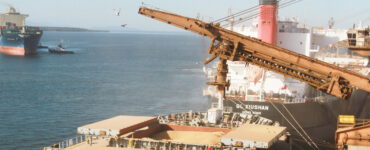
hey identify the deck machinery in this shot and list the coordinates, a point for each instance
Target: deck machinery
(229, 45)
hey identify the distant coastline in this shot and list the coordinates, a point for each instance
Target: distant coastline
(70, 29)
(112, 29)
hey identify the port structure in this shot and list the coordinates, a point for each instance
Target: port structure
(359, 41)
(229, 45)
(352, 133)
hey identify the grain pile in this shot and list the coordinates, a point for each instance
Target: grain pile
(190, 137)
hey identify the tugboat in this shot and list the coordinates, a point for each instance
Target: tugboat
(60, 50)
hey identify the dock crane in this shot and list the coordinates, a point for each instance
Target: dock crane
(229, 45)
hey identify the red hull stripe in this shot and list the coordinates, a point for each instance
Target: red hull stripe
(19, 51)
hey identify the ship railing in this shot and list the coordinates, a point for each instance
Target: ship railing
(272, 99)
(182, 118)
(67, 143)
(297, 100)
(325, 32)
(133, 143)
(253, 98)
(303, 100)
(362, 122)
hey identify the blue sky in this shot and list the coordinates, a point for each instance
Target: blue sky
(99, 13)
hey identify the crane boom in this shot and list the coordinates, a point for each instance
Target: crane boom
(229, 45)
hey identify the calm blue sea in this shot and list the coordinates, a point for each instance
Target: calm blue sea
(44, 98)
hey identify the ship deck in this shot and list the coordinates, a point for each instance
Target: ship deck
(141, 132)
(263, 135)
(97, 144)
(117, 125)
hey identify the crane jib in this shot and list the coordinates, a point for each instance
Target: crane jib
(229, 45)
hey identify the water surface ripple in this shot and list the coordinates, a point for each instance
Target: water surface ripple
(45, 98)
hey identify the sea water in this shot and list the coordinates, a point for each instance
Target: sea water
(44, 98)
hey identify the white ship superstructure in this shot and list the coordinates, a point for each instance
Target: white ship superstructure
(249, 82)
(14, 17)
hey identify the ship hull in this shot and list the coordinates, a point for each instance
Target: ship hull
(19, 44)
(11, 50)
(314, 117)
(317, 118)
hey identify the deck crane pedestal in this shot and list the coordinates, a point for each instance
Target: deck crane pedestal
(229, 45)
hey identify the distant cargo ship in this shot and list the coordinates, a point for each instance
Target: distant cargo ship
(16, 38)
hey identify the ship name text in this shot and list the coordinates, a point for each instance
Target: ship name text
(253, 107)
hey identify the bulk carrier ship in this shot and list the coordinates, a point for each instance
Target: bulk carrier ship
(16, 38)
(254, 97)
(290, 102)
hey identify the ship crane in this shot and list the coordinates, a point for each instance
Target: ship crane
(229, 45)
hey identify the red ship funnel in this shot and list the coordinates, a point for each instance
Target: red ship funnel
(267, 25)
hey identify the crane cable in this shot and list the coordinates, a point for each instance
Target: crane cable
(304, 138)
(283, 5)
(240, 20)
(304, 132)
(243, 12)
(236, 14)
(309, 143)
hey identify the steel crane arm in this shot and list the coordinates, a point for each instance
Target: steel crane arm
(229, 45)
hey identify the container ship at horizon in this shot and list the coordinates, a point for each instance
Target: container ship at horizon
(16, 38)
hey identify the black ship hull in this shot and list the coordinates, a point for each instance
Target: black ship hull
(317, 118)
